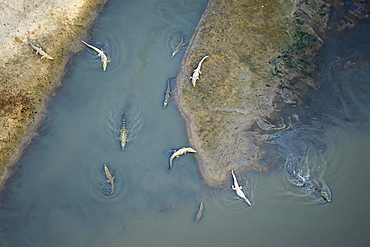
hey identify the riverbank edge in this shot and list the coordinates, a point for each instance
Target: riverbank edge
(182, 81)
(27, 114)
(181, 76)
(225, 142)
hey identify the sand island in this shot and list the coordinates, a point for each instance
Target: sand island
(254, 50)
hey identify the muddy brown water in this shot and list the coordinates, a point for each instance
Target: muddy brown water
(59, 195)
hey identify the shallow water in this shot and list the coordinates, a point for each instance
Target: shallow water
(58, 197)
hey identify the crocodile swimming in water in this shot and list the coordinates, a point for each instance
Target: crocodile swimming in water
(316, 188)
(101, 54)
(238, 189)
(179, 152)
(110, 178)
(123, 134)
(300, 179)
(40, 51)
(177, 49)
(197, 71)
(200, 212)
(167, 93)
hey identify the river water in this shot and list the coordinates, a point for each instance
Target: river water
(59, 196)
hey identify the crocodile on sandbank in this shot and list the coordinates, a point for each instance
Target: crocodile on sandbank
(245, 73)
(40, 51)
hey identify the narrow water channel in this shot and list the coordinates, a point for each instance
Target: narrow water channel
(60, 196)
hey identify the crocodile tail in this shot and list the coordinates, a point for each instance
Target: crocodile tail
(123, 124)
(171, 159)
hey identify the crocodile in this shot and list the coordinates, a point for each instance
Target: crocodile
(123, 134)
(167, 93)
(200, 212)
(40, 51)
(197, 71)
(299, 179)
(179, 152)
(110, 178)
(312, 185)
(101, 54)
(315, 187)
(177, 49)
(238, 189)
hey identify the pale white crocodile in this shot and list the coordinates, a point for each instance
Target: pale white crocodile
(40, 51)
(238, 189)
(179, 152)
(197, 71)
(101, 54)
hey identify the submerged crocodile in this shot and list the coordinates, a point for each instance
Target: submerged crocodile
(177, 49)
(200, 212)
(123, 134)
(238, 189)
(179, 152)
(301, 177)
(110, 178)
(167, 93)
(40, 51)
(316, 188)
(197, 71)
(101, 54)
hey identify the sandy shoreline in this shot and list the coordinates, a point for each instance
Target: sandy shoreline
(244, 80)
(183, 76)
(26, 80)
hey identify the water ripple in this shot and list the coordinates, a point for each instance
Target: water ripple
(173, 38)
(229, 199)
(115, 51)
(301, 152)
(133, 118)
(101, 188)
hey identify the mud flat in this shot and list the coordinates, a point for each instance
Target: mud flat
(256, 49)
(26, 80)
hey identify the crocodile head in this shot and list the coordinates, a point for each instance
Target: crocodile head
(325, 195)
